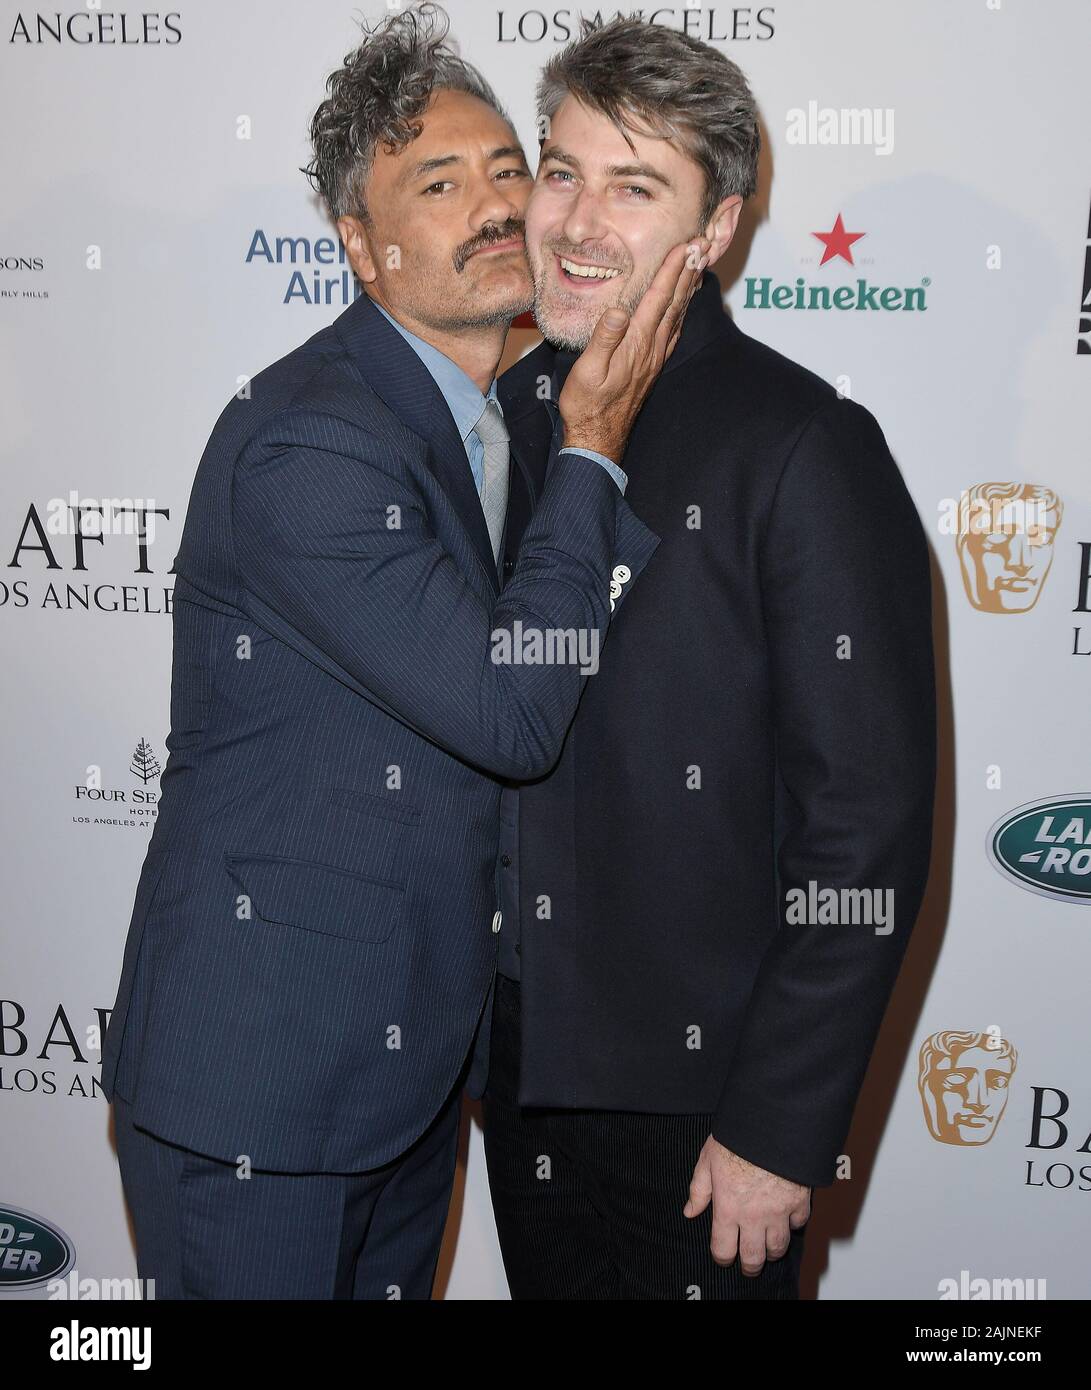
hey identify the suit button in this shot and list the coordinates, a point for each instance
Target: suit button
(509, 565)
(622, 573)
(498, 917)
(505, 859)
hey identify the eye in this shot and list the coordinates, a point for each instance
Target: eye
(559, 174)
(434, 188)
(513, 173)
(638, 189)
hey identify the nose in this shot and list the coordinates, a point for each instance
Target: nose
(584, 220)
(497, 203)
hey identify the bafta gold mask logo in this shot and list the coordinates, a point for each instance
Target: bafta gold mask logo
(1005, 543)
(963, 1081)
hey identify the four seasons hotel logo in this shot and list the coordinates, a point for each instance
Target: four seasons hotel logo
(144, 764)
(120, 807)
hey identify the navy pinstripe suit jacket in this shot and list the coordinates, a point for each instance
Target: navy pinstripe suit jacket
(310, 947)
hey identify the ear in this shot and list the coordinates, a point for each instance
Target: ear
(357, 247)
(721, 227)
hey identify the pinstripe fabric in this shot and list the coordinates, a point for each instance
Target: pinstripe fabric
(310, 945)
(204, 1232)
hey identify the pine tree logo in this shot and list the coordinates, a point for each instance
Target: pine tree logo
(144, 764)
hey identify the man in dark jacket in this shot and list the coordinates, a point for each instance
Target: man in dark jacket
(706, 903)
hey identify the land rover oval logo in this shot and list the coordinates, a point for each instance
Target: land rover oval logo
(1045, 847)
(31, 1250)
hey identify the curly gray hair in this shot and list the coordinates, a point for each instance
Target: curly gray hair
(674, 85)
(377, 95)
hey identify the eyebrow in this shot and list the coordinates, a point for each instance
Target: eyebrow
(638, 170)
(427, 166)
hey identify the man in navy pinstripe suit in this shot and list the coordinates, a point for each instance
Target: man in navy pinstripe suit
(315, 926)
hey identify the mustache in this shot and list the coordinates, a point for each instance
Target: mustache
(488, 236)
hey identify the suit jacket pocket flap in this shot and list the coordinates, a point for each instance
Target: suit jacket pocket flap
(317, 897)
(388, 807)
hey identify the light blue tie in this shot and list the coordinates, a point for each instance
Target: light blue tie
(493, 433)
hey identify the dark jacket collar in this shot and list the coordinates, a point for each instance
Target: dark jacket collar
(401, 380)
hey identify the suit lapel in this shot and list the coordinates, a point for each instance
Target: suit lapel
(531, 425)
(402, 381)
(522, 499)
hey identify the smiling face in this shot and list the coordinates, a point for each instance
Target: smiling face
(444, 248)
(601, 218)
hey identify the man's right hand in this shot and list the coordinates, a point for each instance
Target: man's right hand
(611, 378)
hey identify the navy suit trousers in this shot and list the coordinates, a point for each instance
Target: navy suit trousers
(204, 1232)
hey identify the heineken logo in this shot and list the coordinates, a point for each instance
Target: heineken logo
(762, 293)
(1045, 847)
(860, 295)
(31, 1250)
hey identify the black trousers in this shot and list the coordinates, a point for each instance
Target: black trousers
(205, 1232)
(588, 1203)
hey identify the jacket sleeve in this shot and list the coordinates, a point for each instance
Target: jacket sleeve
(846, 593)
(335, 555)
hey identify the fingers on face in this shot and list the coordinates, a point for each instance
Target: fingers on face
(670, 327)
(685, 287)
(661, 292)
(656, 324)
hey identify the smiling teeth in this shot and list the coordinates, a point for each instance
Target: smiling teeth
(588, 272)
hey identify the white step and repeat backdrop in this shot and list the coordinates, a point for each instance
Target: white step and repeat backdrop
(921, 239)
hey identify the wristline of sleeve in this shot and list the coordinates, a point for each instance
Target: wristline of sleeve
(796, 1144)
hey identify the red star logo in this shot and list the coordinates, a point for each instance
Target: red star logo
(838, 242)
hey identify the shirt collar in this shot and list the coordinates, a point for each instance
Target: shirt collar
(464, 399)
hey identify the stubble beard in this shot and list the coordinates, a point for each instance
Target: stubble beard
(571, 324)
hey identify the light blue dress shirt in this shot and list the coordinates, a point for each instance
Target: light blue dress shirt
(465, 402)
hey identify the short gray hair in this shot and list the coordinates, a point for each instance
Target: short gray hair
(674, 85)
(378, 95)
